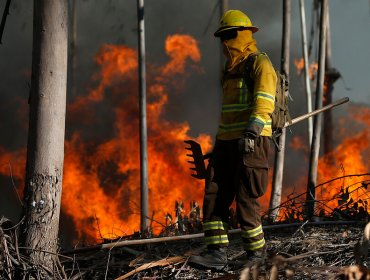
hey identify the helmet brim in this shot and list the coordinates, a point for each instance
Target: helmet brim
(222, 29)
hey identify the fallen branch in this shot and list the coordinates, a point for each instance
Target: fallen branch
(311, 253)
(107, 246)
(163, 262)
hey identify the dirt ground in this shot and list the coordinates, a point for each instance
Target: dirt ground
(307, 252)
(295, 251)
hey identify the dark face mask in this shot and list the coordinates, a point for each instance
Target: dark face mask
(228, 38)
(228, 35)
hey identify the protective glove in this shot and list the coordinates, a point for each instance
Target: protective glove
(246, 143)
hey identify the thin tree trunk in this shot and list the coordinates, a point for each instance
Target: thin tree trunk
(306, 72)
(315, 147)
(144, 192)
(331, 75)
(45, 153)
(73, 49)
(328, 93)
(277, 181)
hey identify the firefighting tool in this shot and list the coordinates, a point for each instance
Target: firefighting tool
(234, 19)
(199, 157)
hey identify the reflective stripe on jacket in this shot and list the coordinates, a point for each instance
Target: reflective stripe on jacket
(242, 109)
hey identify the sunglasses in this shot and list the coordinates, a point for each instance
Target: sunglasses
(228, 34)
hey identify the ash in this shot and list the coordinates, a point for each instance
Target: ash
(309, 252)
(320, 252)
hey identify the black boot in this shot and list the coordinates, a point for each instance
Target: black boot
(259, 254)
(212, 258)
(250, 258)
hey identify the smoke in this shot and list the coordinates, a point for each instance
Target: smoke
(114, 22)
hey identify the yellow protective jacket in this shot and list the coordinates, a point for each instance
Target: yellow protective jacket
(243, 110)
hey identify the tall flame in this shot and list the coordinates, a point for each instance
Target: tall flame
(102, 177)
(114, 206)
(101, 183)
(350, 157)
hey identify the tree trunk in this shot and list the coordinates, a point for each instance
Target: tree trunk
(144, 187)
(45, 153)
(317, 123)
(306, 71)
(72, 63)
(277, 177)
(331, 75)
(328, 94)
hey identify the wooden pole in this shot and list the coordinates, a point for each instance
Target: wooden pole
(144, 214)
(315, 147)
(306, 72)
(277, 181)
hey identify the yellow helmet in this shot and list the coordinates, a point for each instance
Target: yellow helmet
(235, 19)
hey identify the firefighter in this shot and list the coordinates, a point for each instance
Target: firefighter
(238, 168)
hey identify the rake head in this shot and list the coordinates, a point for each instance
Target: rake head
(197, 159)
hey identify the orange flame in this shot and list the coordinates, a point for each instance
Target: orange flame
(299, 65)
(101, 180)
(350, 157)
(312, 69)
(114, 206)
(13, 163)
(101, 183)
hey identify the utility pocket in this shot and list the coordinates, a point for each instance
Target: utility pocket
(255, 181)
(258, 158)
(255, 168)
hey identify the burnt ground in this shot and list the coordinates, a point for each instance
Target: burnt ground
(305, 252)
(308, 252)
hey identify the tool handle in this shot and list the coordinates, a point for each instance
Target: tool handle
(318, 111)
